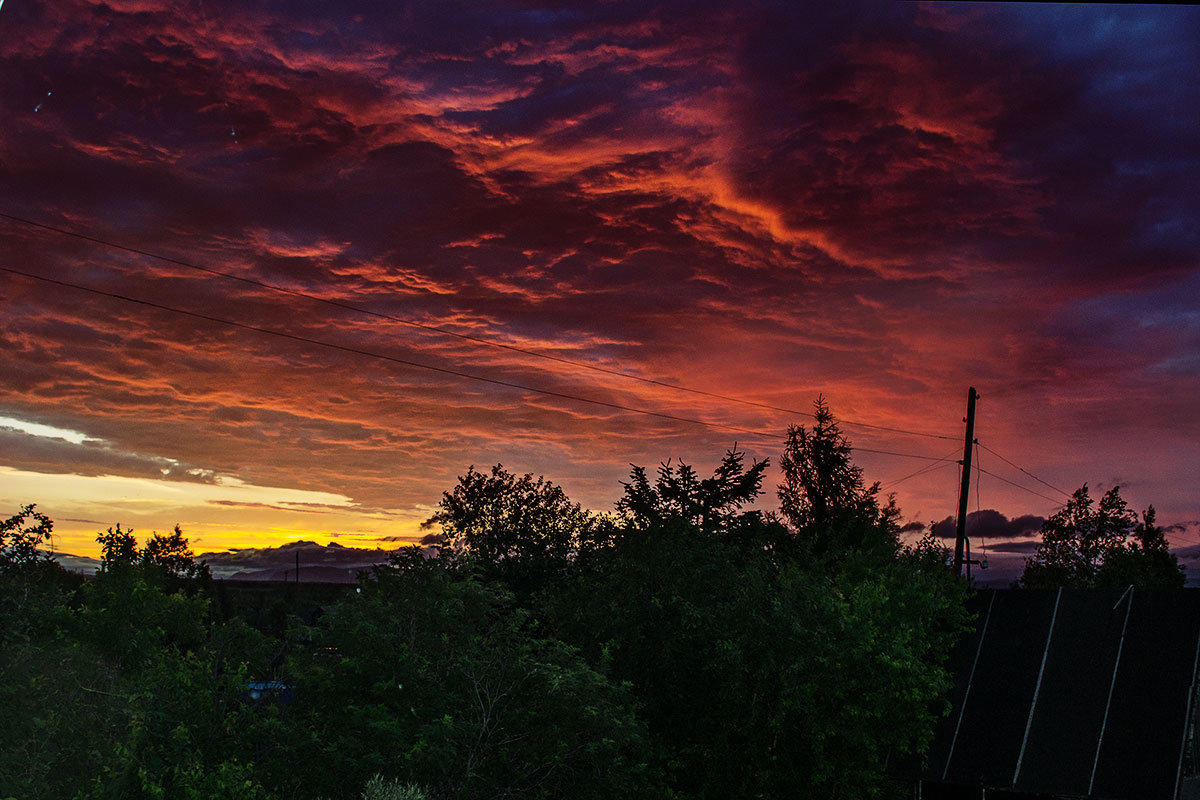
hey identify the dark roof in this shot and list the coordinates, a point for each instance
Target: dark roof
(1040, 667)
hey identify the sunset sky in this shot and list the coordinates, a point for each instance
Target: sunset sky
(883, 203)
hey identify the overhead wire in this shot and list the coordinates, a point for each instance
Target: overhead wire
(1036, 478)
(1027, 472)
(927, 470)
(938, 464)
(887, 452)
(420, 365)
(1058, 503)
(1189, 538)
(438, 329)
(1025, 488)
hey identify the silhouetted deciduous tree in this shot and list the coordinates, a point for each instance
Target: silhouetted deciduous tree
(710, 504)
(515, 527)
(172, 554)
(23, 538)
(1101, 544)
(118, 548)
(29, 577)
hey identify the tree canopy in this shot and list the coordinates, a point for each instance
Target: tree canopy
(526, 529)
(1087, 543)
(687, 646)
(23, 538)
(678, 493)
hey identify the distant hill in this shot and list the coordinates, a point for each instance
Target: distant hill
(331, 563)
(83, 564)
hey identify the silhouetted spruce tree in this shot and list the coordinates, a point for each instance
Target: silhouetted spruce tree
(823, 497)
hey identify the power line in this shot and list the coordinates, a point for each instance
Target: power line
(420, 365)
(1019, 486)
(891, 453)
(928, 469)
(1030, 474)
(437, 329)
(1027, 472)
(938, 464)
(1188, 538)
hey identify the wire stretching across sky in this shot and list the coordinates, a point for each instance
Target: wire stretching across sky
(1058, 503)
(1022, 469)
(440, 330)
(944, 461)
(431, 367)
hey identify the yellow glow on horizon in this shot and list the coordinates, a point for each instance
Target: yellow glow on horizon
(214, 516)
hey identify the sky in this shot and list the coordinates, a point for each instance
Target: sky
(444, 227)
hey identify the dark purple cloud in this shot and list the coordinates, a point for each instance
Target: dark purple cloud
(990, 524)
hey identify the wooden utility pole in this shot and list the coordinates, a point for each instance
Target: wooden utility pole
(964, 490)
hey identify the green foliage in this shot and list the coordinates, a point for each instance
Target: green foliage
(129, 689)
(438, 678)
(380, 789)
(875, 671)
(767, 679)
(1101, 544)
(761, 671)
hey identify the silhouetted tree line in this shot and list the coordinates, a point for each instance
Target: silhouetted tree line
(685, 646)
(1090, 544)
